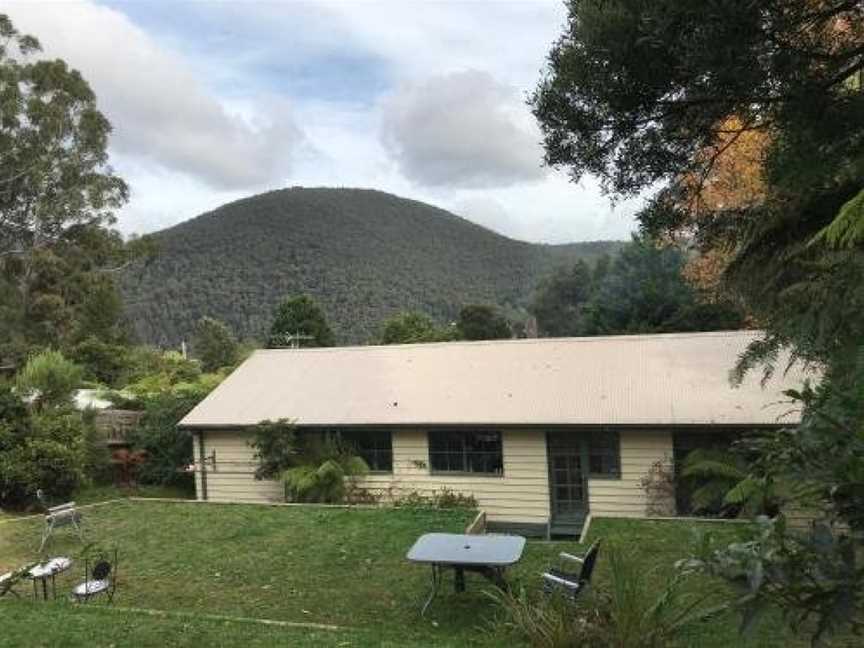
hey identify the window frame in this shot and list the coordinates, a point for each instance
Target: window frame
(462, 435)
(606, 450)
(344, 437)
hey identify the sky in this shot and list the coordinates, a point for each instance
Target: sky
(214, 101)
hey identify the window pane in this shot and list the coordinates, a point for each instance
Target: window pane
(475, 451)
(604, 455)
(375, 447)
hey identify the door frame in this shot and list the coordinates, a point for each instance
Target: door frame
(584, 465)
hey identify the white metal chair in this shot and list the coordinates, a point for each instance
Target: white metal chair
(59, 516)
(101, 580)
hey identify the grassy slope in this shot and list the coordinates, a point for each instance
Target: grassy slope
(363, 254)
(335, 566)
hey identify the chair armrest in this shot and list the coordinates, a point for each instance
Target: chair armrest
(561, 581)
(567, 556)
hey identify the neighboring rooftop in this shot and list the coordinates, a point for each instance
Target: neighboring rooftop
(667, 379)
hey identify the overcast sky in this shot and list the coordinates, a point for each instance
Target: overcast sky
(213, 101)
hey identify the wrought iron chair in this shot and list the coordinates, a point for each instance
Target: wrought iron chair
(102, 579)
(59, 516)
(572, 582)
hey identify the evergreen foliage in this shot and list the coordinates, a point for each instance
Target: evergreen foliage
(482, 322)
(302, 316)
(58, 199)
(413, 327)
(647, 93)
(49, 379)
(639, 290)
(364, 256)
(214, 344)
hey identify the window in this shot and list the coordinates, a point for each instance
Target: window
(604, 454)
(466, 451)
(374, 446)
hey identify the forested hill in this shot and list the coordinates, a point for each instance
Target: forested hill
(364, 255)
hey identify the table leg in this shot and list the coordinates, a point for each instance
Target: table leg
(436, 578)
(44, 589)
(459, 579)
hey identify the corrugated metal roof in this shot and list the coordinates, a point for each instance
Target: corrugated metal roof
(671, 379)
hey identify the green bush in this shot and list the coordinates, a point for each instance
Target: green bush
(49, 379)
(167, 448)
(275, 448)
(103, 362)
(46, 451)
(323, 470)
(634, 607)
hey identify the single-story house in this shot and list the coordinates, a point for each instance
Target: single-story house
(541, 431)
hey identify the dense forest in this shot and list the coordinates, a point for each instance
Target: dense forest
(363, 255)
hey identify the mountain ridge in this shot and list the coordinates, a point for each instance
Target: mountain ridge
(362, 253)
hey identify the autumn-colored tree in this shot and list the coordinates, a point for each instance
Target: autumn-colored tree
(732, 179)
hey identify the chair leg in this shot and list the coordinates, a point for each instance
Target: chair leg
(45, 533)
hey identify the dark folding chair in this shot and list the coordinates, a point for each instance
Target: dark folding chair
(572, 582)
(101, 580)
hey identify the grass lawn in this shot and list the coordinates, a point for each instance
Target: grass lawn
(344, 567)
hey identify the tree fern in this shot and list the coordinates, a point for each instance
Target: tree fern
(847, 228)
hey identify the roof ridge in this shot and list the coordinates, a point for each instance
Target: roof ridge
(521, 341)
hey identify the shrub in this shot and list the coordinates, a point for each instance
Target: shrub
(275, 448)
(634, 608)
(49, 379)
(50, 455)
(550, 621)
(314, 467)
(444, 498)
(167, 448)
(324, 468)
(102, 361)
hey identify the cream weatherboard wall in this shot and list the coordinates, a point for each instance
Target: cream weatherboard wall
(521, 495)
(625, 497)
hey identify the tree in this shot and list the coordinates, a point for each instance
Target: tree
(214, 344)
(300, 316)
(482, 322)
(49, 379)
(559, 302)
(412, 327)
(626, 98)
(639, 290)
(643, 291)
(58, 196)
(643, 94)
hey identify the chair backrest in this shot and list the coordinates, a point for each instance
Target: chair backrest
(588, 562)
(102, 570)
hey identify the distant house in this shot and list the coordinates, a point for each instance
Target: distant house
(541, 432)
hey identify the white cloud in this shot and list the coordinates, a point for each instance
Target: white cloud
(206, 99)
(158, 107)
(461, 130)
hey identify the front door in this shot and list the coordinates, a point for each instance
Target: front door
(568, 486)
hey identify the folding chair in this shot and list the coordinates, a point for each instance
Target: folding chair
(572, 582)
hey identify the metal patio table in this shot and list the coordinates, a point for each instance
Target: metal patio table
(488, 555)
(48, 570)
